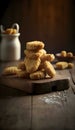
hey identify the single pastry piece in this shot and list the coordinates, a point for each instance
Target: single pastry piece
(21, 65)
(34, 54)
(37, 75)
(69, 54)
(49, 69)
(47, 57)
(70, 65)
(12, 70)
(31, 54)
(22, 74)
(63, 53)
(31, 64)
(61, 65)
(34, 45)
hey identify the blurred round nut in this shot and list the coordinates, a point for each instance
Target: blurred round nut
(69, 54)
(14, 31)
(70, 65)
(63, 53)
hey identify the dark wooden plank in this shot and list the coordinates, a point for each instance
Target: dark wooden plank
(72, 84)
(72, 71)
(47, 112)
(72, 80)
(54, 111)
(59, 82)
(67, 72)
(8, 91)
(70, 111)
(15, 106)
(15, 113)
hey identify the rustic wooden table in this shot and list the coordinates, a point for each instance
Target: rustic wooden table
(50, 111)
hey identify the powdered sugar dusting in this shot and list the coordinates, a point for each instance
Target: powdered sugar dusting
(54, 98)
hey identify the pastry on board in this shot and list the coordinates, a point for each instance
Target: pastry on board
(35, 45)
(36, 64)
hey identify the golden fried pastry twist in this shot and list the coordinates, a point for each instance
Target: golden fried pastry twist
(49, 69)
(37, 75)
(34, 45)
(61, 65)
(31, 64)
(12, 70)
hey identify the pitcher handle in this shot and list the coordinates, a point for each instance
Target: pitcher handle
(15, 25)
(1, 29)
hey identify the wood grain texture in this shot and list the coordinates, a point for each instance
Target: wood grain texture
(72, 80)
(72, 71)
(15, 113)
(53, 111)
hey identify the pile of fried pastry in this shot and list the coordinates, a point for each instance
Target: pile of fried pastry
(10, 31)
(36, 64)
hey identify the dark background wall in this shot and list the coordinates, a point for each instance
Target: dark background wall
(52, 21)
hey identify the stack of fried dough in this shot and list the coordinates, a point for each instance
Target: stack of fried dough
(36, 64)
(10, 31)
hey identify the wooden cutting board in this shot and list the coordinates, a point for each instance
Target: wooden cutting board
(58, 83)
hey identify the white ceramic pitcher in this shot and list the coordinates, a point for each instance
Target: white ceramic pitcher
(10, 45)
